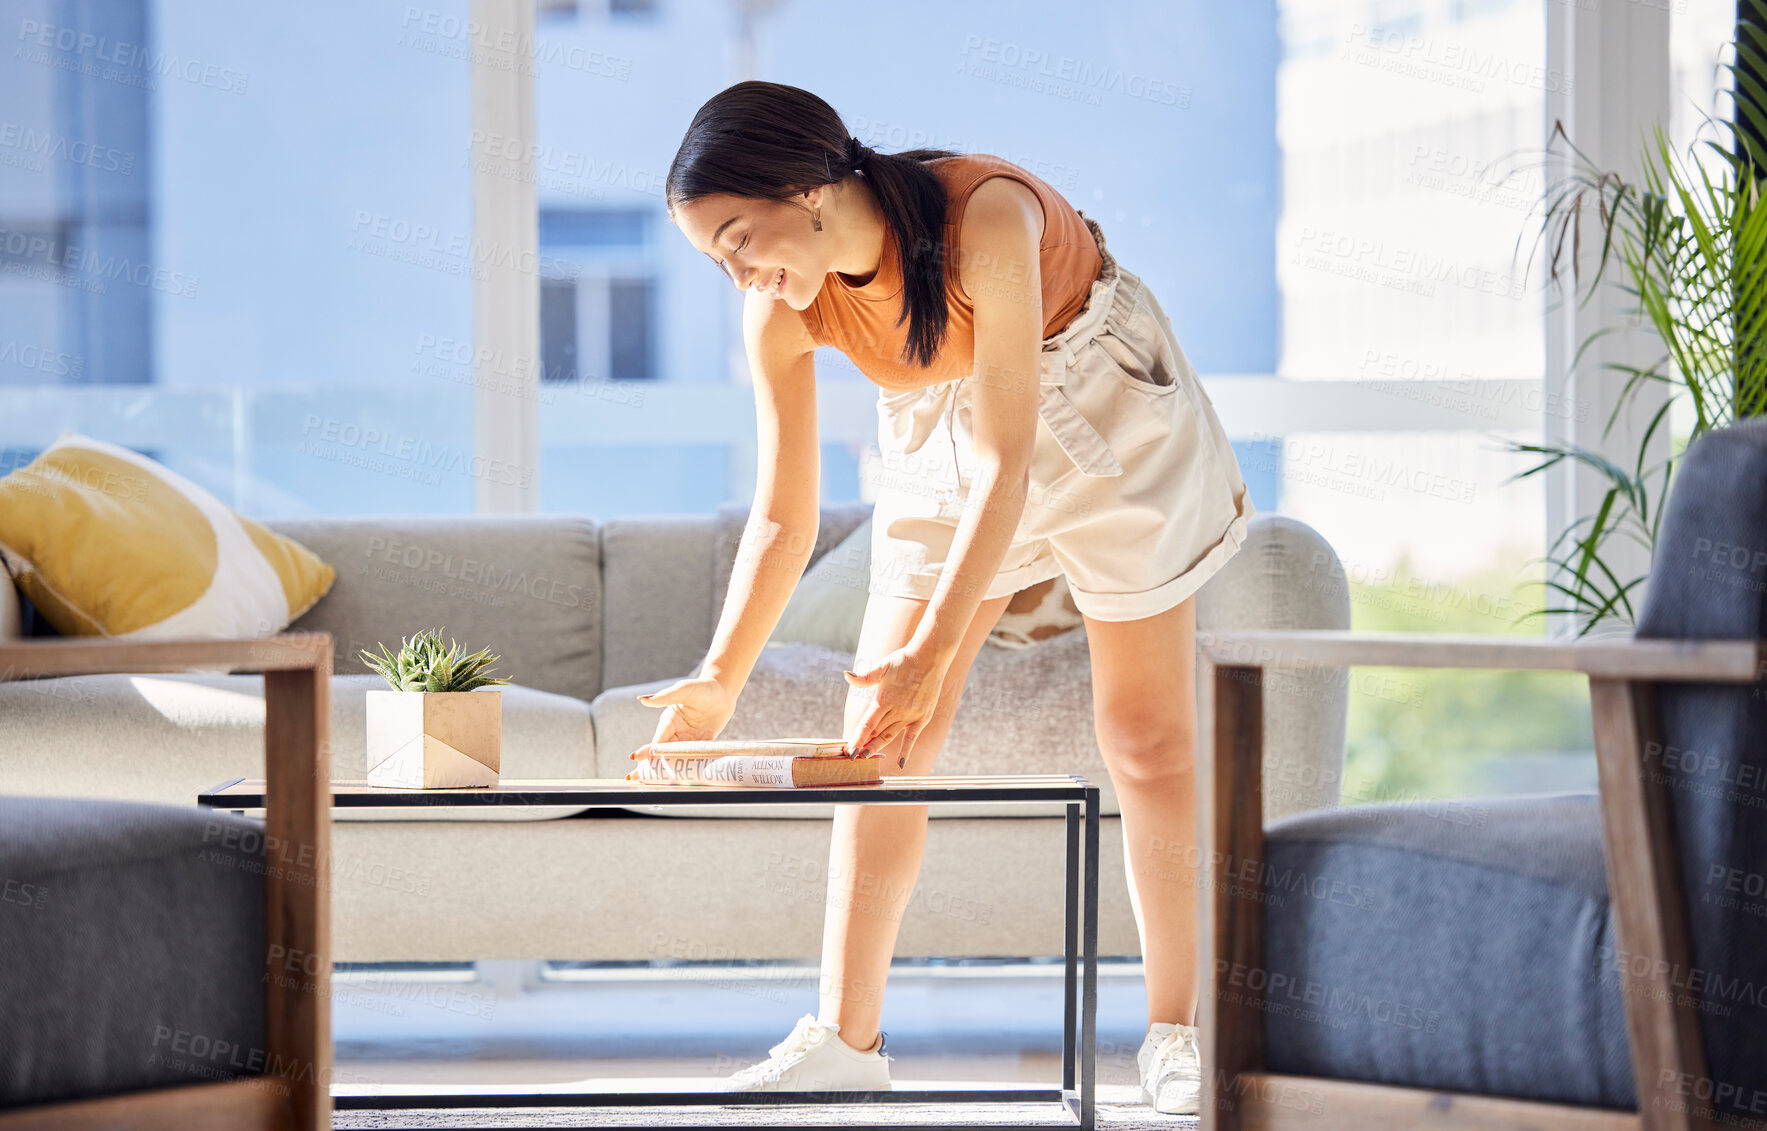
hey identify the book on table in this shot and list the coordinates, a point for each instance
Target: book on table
(775, 763)
(738, 747)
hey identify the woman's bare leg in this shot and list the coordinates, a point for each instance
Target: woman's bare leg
(874, 857)
(1144, 712)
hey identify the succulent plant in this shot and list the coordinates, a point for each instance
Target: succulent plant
(423, 663)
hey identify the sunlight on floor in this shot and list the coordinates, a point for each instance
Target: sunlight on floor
(998, 1025)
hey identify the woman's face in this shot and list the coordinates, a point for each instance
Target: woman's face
(755, 240)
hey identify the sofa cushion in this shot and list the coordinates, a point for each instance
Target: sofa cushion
(134, 944)
(666, 578)
(1465, 946)
(110, 543)
(526, 586)
(1029, 710)
(840, 582)
(165, 738)
(1708, 581)
(657, 573)
(834, 523)
(1024, 710)
(828, 605)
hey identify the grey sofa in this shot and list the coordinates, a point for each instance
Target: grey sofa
(588, 614)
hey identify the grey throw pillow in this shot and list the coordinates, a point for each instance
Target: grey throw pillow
(828, 606)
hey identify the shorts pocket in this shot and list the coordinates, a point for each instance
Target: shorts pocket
(1139, 365)
(1135, 344)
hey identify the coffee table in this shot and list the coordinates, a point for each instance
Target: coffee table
(1080, 945)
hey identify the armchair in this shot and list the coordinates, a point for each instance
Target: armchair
(1546, 961)
(130, 921)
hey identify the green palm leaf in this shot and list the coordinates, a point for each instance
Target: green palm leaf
(1689, 253)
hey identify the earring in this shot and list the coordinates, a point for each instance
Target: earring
(817, 220)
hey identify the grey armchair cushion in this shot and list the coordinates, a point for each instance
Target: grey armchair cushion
(133, 947)
(1707, 582)
(1462, 945)
(528, 587)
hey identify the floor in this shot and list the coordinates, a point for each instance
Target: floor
(1123, 1115)
(517, 1028)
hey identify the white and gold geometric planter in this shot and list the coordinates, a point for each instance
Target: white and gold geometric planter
(434, 739)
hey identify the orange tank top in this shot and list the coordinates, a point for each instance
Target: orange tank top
(861, 321)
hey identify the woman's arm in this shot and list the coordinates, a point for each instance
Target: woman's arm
(781, 530)
(998, 267)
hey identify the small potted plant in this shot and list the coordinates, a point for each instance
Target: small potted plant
(434, 729)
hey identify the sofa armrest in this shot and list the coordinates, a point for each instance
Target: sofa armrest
(1287, 577)
(297, 823)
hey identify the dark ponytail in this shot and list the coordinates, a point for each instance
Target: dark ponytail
(769, 140)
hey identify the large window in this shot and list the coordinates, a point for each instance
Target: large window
(78, 274)
(1412, 134)
(1117, 109)
(258, 220)
(1406, 132)
(244, 241)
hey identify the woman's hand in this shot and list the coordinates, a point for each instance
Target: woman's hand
(905, 693)
(694, 710)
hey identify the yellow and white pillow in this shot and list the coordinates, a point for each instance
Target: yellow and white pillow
(106, 542)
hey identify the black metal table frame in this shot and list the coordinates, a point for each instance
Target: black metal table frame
(1079, 944)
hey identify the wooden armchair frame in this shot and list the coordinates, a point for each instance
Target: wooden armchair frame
(297, 899)
(1644, 880)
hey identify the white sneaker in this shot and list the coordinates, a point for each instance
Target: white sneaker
(814, 1059)
(1171, 1068)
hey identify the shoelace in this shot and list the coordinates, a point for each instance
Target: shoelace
(787, 1052)
(1171, 1046)
(782, 1055)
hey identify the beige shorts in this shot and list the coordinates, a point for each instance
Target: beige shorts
(1135, 494)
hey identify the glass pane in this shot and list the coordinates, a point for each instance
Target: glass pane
(1071, 95)
(1409, 135)
(1700, 37)
(263, 218)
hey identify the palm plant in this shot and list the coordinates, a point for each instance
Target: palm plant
(423, 663)
(1691, 249)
